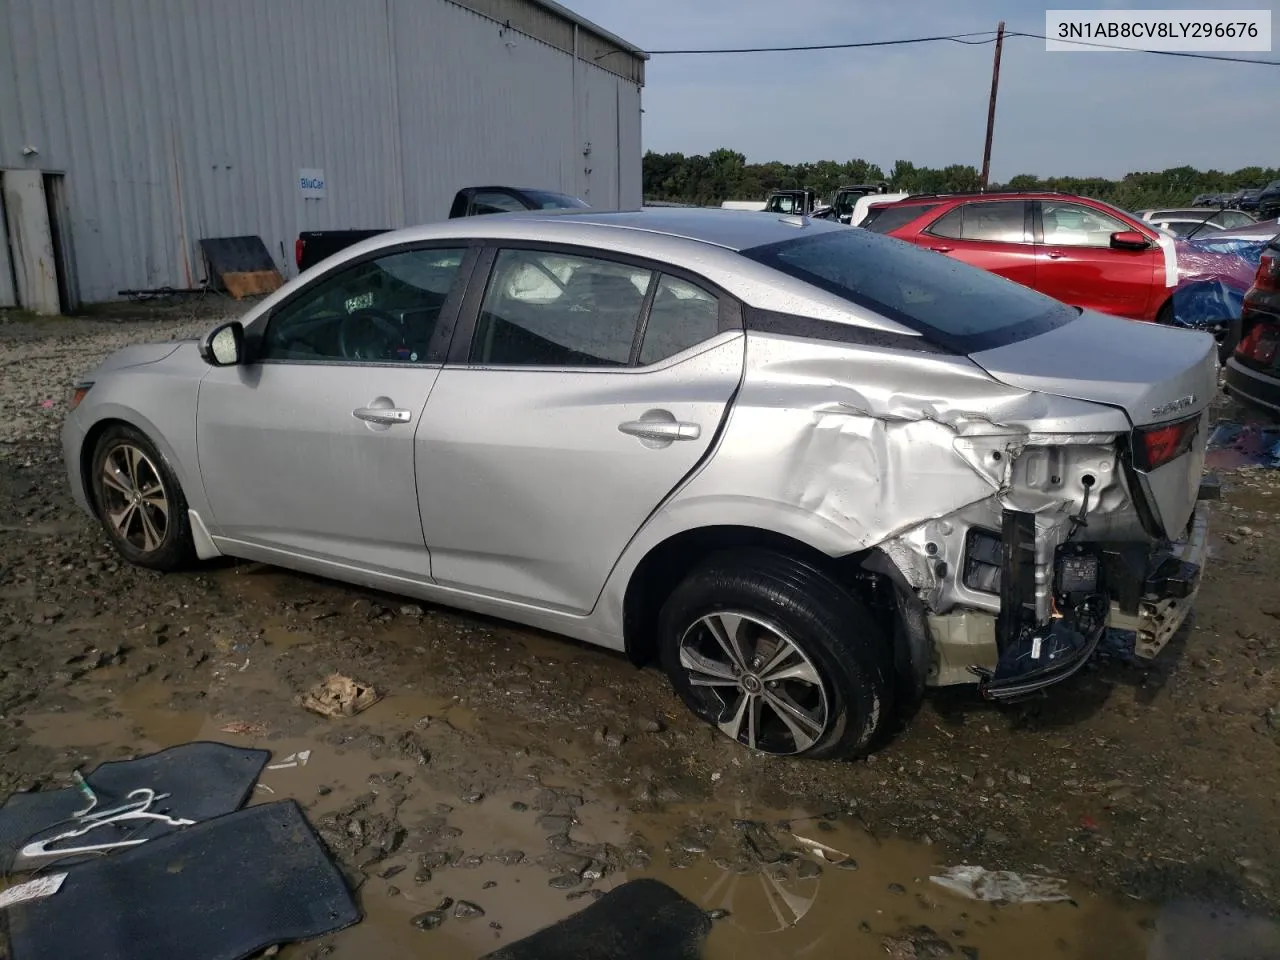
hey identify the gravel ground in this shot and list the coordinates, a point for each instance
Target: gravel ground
(1139, 784)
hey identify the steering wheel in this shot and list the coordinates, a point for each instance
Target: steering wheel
(369, 334)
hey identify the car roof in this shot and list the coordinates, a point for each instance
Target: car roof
(735, 230)
(1181, 210)
(1255, 231)
(706, 241)
(996, 195)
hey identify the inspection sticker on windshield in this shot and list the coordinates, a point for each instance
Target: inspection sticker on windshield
(1185, 30)
(32, 890)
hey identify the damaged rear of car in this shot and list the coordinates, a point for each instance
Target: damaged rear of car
(1024, 473)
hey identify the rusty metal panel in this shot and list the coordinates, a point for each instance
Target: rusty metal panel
(174, 120)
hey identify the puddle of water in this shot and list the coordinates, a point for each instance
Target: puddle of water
(778, 911)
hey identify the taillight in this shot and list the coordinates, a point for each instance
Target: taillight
(78, 394)
(1155, 446)
(1268, 275)
(1258, 347)
(298, 246)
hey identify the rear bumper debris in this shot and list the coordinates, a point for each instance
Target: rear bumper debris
(1151, 597)
(1169, 593)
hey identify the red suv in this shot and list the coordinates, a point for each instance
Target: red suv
(1083, 252)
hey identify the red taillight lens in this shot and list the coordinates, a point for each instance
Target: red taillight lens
(1268, 275)
(298, 246)
(1155, 446)
(1258, 347)
(1249, 342)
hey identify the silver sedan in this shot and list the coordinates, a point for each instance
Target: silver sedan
(809, 470)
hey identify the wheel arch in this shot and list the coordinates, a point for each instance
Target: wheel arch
(670, 560)
(119, 417)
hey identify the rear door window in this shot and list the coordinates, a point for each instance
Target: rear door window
(495, 201)
(682, 316)
(887, 218)
(995, 221)
(548, 309)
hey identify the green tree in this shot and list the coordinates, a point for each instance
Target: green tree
(725, 174)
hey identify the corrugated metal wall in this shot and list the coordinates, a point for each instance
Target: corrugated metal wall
(179, 119)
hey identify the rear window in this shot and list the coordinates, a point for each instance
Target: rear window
(960, 307)
(546, 200)
(889, 217)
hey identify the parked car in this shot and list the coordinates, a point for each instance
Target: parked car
(794, 202)
(863, 205)
(1259, 231)
(1269, 201)
(1246, 199)
(1208, 199)
(846, 199)
(1078, 250)
(312, 246)
(1186, 227)
(1253, 372)
(1214, 216)
(807, 469)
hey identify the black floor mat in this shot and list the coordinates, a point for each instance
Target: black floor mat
(204, 780)
(224, 889)
(641, 920)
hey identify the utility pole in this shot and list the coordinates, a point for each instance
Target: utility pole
(991, 107)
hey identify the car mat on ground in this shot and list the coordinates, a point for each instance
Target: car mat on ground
(641, 920)
(224, 889)
(203, 780)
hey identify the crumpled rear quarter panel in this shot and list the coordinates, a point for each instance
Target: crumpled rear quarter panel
(845, 447)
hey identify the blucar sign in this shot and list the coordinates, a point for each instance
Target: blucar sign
(311, 182)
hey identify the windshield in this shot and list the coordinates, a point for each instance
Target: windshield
(546, 200)
(955, 305)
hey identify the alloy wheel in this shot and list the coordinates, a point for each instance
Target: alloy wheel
(135, 502)
(755, 683)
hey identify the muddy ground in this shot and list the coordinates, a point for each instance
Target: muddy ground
(522, 774)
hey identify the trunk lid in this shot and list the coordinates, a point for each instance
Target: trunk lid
(1156, 374)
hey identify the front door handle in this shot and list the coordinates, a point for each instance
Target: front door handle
(942, 249)
(1055, 255)
(386, 416)
(657, 428)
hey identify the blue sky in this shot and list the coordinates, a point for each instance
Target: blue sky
(1076, 114)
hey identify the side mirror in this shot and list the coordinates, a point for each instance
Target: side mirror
(1129, 240)
(223, 346)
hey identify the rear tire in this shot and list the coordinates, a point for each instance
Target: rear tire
(778, 656)
(140, 502)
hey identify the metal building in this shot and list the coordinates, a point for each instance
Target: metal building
(131, 129)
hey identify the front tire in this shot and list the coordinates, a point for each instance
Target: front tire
(140, 502)
(778, 656)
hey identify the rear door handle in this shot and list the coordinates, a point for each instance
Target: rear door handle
(387, 416)
(662, 431)
(1055, 255)
(942, 249)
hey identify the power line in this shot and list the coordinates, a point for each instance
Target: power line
(1161, 53)
(965, 38)
(830, 46)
